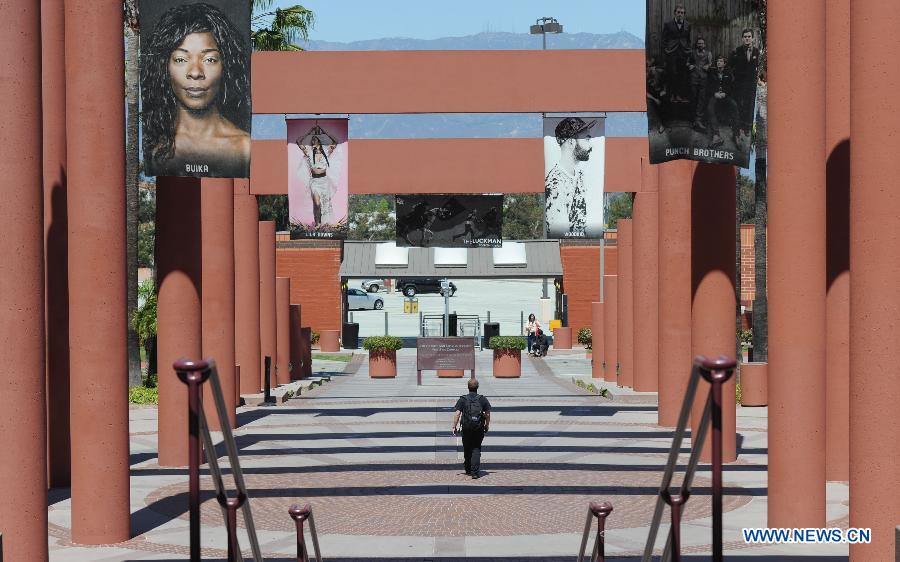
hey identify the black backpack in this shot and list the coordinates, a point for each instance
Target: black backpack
(472, 414)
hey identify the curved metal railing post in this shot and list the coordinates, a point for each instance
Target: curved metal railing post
(600, 510)
(300, 514)
(717, 372)
(193, 374)
(231, 506)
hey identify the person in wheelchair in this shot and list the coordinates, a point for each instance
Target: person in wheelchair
(540, 345)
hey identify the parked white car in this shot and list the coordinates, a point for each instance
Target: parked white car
(358, 299)
(373, 285)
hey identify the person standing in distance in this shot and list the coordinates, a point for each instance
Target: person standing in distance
(473, 417)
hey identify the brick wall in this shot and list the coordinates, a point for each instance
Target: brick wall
(315, 283)
(748, 268)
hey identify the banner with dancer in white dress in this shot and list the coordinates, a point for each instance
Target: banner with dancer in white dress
(317, 178)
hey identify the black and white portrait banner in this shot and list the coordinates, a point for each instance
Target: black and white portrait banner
(573, 176)
(702, 69)
(195, 88)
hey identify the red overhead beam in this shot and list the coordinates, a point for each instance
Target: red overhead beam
(449, 81)
(447, 165)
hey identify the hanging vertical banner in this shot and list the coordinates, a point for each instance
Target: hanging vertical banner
(195, 88)
(702, 68)
(317, 177)
(573, 180)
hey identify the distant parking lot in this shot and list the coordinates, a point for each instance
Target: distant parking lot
(506, 299)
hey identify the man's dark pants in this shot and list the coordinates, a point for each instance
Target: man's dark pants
(472, 449)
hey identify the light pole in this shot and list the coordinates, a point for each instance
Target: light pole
(542, 27)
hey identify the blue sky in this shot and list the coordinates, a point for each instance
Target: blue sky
(355, 20)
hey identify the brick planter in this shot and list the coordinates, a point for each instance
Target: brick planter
(754, 384)
(507, 363)
(450, 373)
(382, 364)
(562, 338)
(329, 340)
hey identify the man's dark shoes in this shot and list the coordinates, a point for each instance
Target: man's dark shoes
(475, 476)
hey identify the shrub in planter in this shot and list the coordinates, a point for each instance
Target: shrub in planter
(315, 337)
(585, 337)
(507, 355)
(382, 355)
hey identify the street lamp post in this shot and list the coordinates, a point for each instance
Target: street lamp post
(542, 27)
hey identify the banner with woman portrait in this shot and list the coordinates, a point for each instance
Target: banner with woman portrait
(195, 88)
(317, 178)
(703, 63)
(573, 176)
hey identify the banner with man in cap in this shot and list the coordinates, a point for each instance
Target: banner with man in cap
(573, 181)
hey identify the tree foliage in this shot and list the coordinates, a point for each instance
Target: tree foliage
(279, 29)
(618, 206)
(372, 217)
(523, 216)
(144, 318)
(274, 208)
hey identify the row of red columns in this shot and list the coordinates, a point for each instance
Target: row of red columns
(832, 209)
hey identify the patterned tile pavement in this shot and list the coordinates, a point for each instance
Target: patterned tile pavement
(376, 461)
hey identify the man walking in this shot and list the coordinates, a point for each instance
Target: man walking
(473, 416)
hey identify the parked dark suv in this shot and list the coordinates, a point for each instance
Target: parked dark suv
(411, 287)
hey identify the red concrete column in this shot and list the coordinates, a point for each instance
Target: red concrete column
(179, 262)
(597, 340)
(645, 252)
(23, 439)
(675, 182)
(874, 292)
(56, 242)
(217, 293)
(267, 320)
(714, 299)
(246, 287)
(837, 258)
(610, 327)
(796, 272)
(296, 343)
(95, 150)
(625, 304)
(283, 329)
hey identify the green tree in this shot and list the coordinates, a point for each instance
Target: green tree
(618, 206)
(372, 217)
(279, 29)
(143, 321)
(274, 208)
(523, 216)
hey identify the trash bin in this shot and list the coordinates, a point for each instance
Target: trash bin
(350, 335)
(490, 329)
(411, 305)
(453, 330)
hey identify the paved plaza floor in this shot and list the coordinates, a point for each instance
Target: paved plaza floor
(376, 460)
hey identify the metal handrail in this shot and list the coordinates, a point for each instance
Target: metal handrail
(599, 510)
(194, 374)
(299, 515)
(716, 372)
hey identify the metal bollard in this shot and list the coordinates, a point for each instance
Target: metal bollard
(193, 374)
(267, 389)
(385, 322)
(231, 506)
(600, 511)
(489, 316)
(521, 322)
(299, 515)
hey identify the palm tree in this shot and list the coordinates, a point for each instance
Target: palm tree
(761, 302)
(279, 29)
(132, 77)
